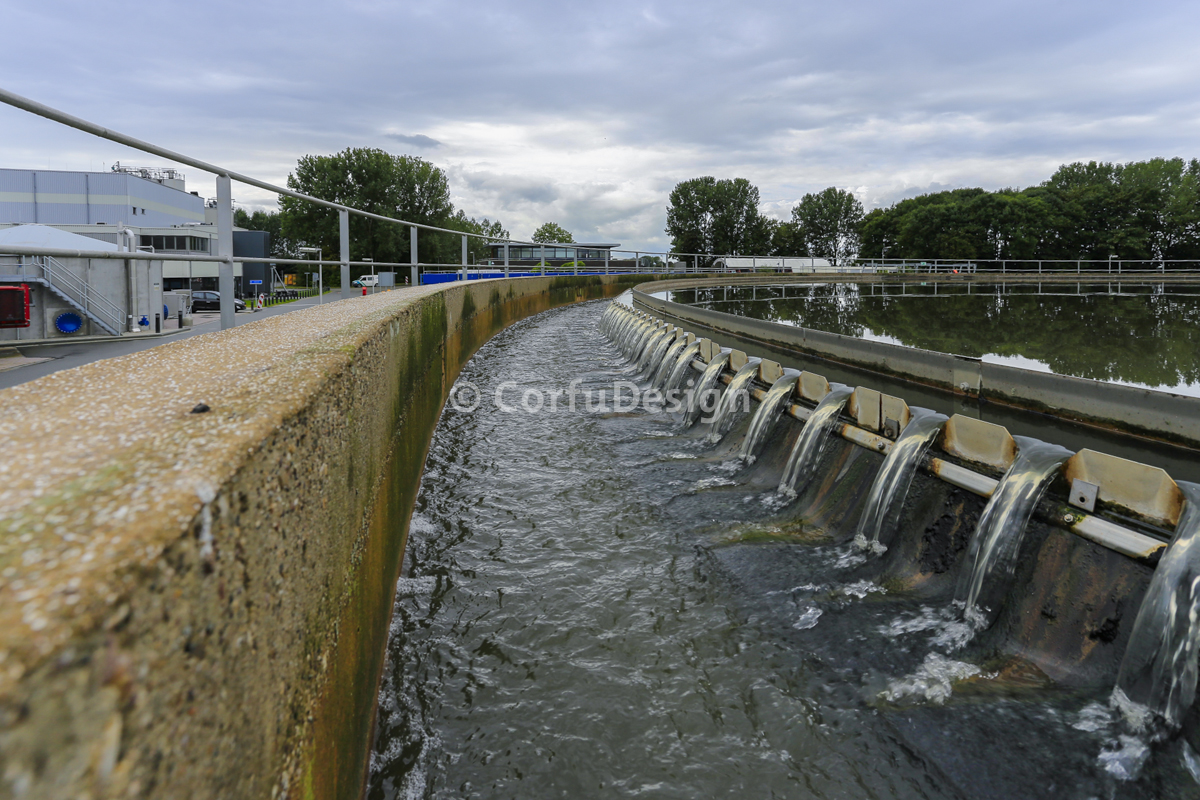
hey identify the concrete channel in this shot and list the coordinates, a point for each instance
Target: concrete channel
(199, 544)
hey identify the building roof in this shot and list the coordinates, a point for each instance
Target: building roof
(44, 236)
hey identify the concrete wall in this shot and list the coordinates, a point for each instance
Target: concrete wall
(196, 604)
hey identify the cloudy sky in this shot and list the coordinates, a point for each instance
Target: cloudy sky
(588, 113)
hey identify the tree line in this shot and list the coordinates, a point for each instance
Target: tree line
(1091, 211)
(707, 215)
(401, 187)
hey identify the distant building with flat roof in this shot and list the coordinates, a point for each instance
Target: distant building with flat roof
(555, 253)
(139, 197)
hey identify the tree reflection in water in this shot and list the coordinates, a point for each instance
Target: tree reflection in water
(1145, 334)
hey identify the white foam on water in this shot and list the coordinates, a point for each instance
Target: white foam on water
(847, 557)
(872, 546)
(933, 680)
(711, 483)
(861, 589)
(1124, 760)
(1094, 718)
(951, 631)
(807, 619)
(412, 587)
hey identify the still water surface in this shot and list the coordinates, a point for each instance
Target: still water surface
(574, 621)
(1137, 334)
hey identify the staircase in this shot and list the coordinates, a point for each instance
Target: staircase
(74, 291)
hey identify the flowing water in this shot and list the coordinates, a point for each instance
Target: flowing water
(996, 542)
(649, 348)
(1159, 670)
(895, 476)
(660, 352)
(588, 609)
(764, 419)
(735, 401)
(683, 365)
(802, 461)
(704, 399)
(668, 362)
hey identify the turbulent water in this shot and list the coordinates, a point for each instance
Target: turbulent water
(587, 610)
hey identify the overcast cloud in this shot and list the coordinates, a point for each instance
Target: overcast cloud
(587, 114)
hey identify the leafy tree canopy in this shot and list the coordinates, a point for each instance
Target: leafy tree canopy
(553, 232)
(826, 224)
(1140, 210)
(707, 215)
(403, 187)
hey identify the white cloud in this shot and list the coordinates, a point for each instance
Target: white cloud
(588, 115)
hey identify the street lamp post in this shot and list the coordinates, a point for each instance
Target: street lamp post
(371, 261)
(320, 272)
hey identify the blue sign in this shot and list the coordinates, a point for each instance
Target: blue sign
(255, 283)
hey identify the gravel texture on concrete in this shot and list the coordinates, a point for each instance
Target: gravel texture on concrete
(124, 434)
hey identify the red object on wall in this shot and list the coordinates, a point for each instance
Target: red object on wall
(14, 306)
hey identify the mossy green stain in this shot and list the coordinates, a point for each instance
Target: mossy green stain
(422, 369)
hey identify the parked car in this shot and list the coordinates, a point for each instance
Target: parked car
(211, 301)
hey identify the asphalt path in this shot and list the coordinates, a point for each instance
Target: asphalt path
(65, 355)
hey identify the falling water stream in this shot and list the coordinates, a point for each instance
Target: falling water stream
(735, 400)
(588, 610)
(802, 462)
(996, 542)
(1159, 668)
(668, 361)
(764, 419)
(895, 476)
(703, 399)
(683, 366)
(660, 351)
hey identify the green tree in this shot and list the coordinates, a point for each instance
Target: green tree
(477, 249)
(553, 232)
(720, 217)
(828, 224)
(786, 240)
(1090, 211)
(402, 187)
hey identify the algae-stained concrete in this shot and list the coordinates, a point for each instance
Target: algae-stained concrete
(195, 603)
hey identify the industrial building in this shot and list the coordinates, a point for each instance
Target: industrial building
(67, 297)
(145, 209)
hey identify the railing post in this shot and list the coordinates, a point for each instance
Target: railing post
(224, 249)
(575, 259)
(506, 259)
(606, 253)
(344, 246)
(464, 257)
(544, 265)
(412, 255)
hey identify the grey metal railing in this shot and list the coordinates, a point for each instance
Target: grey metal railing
(226, 259)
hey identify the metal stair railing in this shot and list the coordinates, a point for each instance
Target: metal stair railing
(80, 294)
